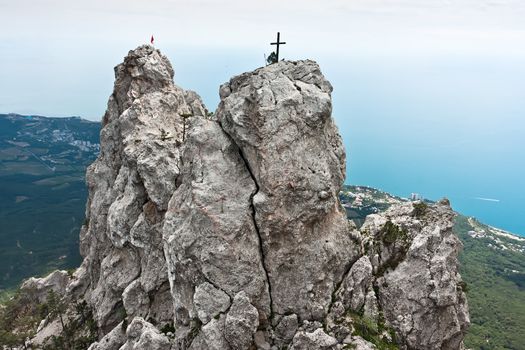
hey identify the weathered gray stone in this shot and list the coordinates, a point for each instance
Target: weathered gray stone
(316, 340)
(261, 341)
(359, 343)
(211, 336)
(371, 309)
(111, 341)
(39, 288)
(279, 117)
(241, 322)
(209, 228)
(357, 282)
(130, 185)
(142, 335)
(161, 306)
(136, 300)
(310, 326)
(46, 330)
(210, 302)
(418, 280)
(285, 330)
(230, 228)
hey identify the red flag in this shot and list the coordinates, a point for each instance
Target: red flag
(152, 40)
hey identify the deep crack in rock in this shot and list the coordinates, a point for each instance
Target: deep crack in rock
(255, 224)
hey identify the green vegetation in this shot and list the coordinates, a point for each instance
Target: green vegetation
(496, 292)
(391, 233)
(168, 328)
(374, 332)
(21, 315)
(196, 326)
(39, 234)
(464, 286)
(79, 329)
(420, 209)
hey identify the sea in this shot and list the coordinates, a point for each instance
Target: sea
(452, 127)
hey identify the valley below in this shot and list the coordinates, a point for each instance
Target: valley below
(42, 193)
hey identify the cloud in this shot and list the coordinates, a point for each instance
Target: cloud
(341, 26)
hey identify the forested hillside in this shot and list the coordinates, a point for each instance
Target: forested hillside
(42, 192)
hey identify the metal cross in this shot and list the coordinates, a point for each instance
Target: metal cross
(278, 43)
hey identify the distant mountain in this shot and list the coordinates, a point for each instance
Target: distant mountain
(492, 265)
(42, 192)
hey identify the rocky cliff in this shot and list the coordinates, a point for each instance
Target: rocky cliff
(225, 230)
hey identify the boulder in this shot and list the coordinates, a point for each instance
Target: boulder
(39, 288)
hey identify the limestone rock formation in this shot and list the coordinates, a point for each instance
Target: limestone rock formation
(414, 253)
(124, 271)
(211, 243)
(280, 118)
(38, 288)
(227, 232)
(241, 322)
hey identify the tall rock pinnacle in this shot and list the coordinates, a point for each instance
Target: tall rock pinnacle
(130, 185)
(280, 118)
(226, 231)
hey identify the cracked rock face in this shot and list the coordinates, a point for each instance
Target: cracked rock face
(241, 322)
(211, 240)
(262, 218)
(228, 233)
(280, 118)
(143, 335)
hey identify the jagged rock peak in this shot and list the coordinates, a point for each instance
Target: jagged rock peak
(147, 63)
(144, 69)
(124, 271)
(280, 118)
(228, 232)
(306, 71)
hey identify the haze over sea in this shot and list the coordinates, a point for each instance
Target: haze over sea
(428, 95)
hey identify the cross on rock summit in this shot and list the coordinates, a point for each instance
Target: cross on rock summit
(274, 56)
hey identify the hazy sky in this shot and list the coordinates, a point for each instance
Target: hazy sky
(429, 95)
(57, 55)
